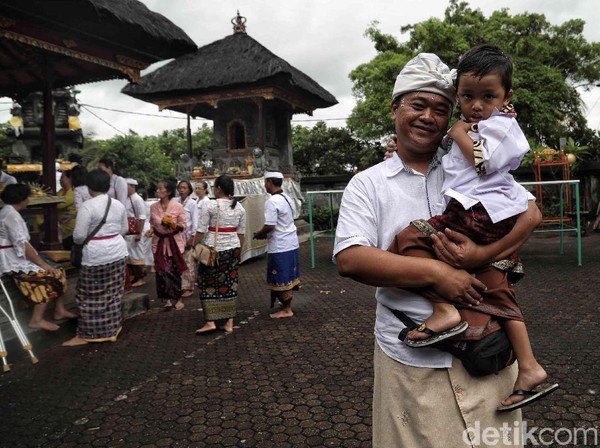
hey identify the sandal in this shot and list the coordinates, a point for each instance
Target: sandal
(435, 336)
(532, 396)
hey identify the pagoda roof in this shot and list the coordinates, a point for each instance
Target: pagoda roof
(235, 67)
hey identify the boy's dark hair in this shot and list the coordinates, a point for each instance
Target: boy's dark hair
(98, 181)
(15, 193)
(484, 59)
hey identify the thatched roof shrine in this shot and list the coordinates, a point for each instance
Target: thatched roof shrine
(235, 67)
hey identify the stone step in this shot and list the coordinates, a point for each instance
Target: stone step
(133, 304)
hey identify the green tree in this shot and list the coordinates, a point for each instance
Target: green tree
(551, 63)
(147, 159)
(138, 157)
(322, 151)
(174, 142)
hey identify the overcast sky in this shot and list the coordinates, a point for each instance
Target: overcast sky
(323, 38)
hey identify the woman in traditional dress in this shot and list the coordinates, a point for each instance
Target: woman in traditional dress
(66, 210)
(191, 218)
(80, 189)
(101, 280)
(167, 226)
(218, 285)
(39, 282)
(137, 243)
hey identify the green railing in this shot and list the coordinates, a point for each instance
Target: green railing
(562, 222)
(310, 194)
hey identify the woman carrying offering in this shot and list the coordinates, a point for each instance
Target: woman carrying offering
(167, 221)
(222, 225)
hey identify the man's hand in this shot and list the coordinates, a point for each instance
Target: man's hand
(458, 286)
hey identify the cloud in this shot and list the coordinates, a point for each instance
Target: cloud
(324, 39)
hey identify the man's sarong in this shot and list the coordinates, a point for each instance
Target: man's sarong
(283, 270)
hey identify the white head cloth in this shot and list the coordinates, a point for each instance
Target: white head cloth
(273, 175)
(130, 181)
(426, 73)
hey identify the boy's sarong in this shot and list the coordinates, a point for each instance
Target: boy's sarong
(499, 299)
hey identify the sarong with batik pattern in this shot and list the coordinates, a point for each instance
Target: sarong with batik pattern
(218, 286)
(499, 299)
(99, 293)
(283, 270)
(42, 286)
(168, 281)
(188, 278)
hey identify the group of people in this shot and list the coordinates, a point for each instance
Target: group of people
(435, 227)
(121, 235)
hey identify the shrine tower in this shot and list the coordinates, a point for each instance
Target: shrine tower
(248, 92)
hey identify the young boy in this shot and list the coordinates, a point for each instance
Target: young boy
(482, 201)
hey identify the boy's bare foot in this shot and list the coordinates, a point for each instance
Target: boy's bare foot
(179, 305)
(73, 342)
(282, 314)
(138, 283)
(65, 315)
(441, 320)
(187, 293)
(44, 325)
(527, 379)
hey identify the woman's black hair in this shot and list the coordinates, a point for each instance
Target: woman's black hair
(78, 175)
(98, 181)
(225, 183)
(189, 185)
(15, 193)
(170, 186)
(107, 162)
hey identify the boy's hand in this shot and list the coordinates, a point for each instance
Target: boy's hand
(456, 249)
(391, 148)
(460, 127)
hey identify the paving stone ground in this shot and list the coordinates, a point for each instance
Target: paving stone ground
(299, 382)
